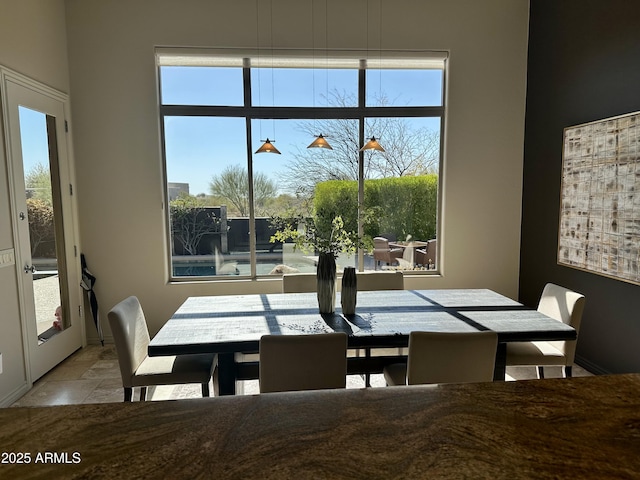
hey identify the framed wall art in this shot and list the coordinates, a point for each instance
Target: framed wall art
(600, 198)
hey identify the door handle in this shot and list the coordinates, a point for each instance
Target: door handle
(28, 269)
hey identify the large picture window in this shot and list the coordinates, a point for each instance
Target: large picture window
(230, 208)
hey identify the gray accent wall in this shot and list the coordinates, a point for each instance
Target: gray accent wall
(583, 65)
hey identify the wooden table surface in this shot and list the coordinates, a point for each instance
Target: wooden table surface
(580, 428)
(230, 324)
(227, 323)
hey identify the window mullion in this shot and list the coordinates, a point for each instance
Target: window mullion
(246, 81)
(362, 92)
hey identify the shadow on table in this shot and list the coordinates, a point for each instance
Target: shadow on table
(337, 323)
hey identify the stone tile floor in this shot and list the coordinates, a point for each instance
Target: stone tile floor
(92, 375)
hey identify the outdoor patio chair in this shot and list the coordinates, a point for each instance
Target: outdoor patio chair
(427, 256)
(382, 252)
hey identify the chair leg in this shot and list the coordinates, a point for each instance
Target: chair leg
(143, 394)
(128, 393)
(216, 383)
(567, 371)
(540, 372)
(205, 389)
(367, 377)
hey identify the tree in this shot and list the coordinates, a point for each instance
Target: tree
(38, 183)
(41, 228)
(233, 185)
(191, 220)
(408, 150)
(283, 204)
(318, 233)
(40, 211)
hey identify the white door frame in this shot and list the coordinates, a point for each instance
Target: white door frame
(40, 358)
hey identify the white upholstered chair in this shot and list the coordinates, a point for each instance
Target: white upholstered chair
(303, 362)
(299, 282)
(382, 280)
(131, 337)
(565, 306)
(446, 357)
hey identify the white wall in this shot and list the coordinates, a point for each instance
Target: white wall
(32, 42)
(117, 144)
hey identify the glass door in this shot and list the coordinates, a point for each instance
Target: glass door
(39, 160)
(41, 191)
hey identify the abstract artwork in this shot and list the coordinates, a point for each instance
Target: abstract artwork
(600, 198)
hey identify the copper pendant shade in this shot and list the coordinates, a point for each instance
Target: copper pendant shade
(268, 147)
(372, 144)
(320, 142)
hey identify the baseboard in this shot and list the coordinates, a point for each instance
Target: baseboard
(96, 341)
(14, 396)
(590, 366)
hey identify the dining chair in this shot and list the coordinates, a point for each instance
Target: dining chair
(299, 282)
(560, 304)
(303, 362)
(137, 369)
(446, 357)
(384, 280)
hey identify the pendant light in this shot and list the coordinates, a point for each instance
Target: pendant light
(373, 144)
(321, 140)
(268, 147)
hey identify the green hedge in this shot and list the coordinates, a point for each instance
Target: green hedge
(397, 206)
(41, 228)
(336, 198)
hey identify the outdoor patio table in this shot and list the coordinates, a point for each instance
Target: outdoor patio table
(232, 324)
(409, 251)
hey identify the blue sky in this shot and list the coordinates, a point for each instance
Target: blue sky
(199, 147)
(33, 132)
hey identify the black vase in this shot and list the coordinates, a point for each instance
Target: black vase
(348, 297)
(326, 277)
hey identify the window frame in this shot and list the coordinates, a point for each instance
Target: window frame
(295, 59)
